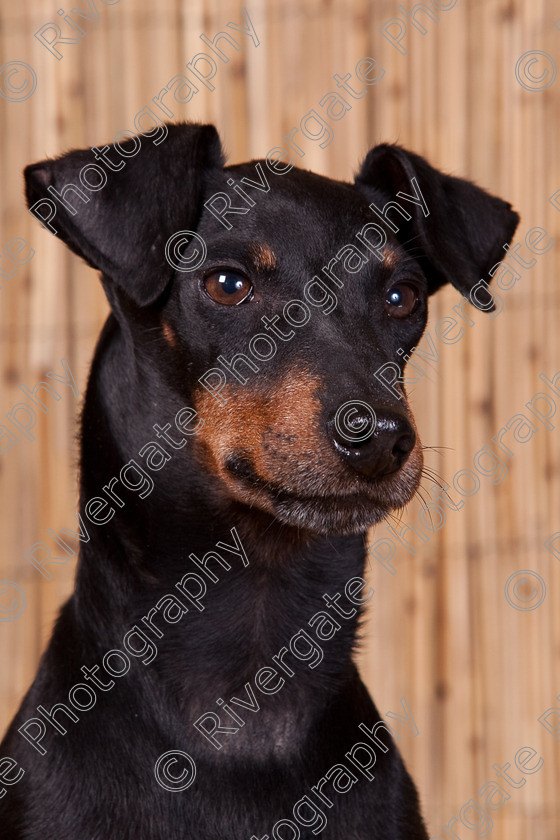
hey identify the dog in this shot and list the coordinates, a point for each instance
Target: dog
(238, 438)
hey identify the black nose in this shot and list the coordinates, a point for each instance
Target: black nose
(374, 444)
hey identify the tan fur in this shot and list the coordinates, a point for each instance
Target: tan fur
(263, 257)
(169, 335)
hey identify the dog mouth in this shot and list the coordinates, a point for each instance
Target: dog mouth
(328, 504)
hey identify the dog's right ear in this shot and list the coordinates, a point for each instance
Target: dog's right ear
(119, 215)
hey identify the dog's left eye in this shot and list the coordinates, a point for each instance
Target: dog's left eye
(227, 287)
(402, 299)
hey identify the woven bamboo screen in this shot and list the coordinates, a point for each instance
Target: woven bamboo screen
(466, 625)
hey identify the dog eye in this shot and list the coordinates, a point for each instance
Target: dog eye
(402, 299)
(227, 287)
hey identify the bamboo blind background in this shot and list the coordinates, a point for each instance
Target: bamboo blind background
(475, 672)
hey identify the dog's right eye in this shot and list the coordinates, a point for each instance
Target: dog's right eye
(227, 287)
(402, 300)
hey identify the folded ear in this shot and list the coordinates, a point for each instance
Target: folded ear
(454, 229)
(118, 209)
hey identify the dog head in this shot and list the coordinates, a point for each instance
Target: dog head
(284, 305)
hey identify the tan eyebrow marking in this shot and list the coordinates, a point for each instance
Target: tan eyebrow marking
(390, 257)
(169, 335)
(263, 256)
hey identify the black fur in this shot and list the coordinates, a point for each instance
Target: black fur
(298, 503)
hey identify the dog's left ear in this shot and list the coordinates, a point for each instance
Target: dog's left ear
(121, 223)
(455, 230)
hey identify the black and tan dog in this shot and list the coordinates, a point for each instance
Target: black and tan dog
(225, 494)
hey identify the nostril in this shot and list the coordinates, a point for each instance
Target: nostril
(403, 447)
(404, 444)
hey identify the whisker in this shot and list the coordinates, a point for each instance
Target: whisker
(434, 477)
(420, 494)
